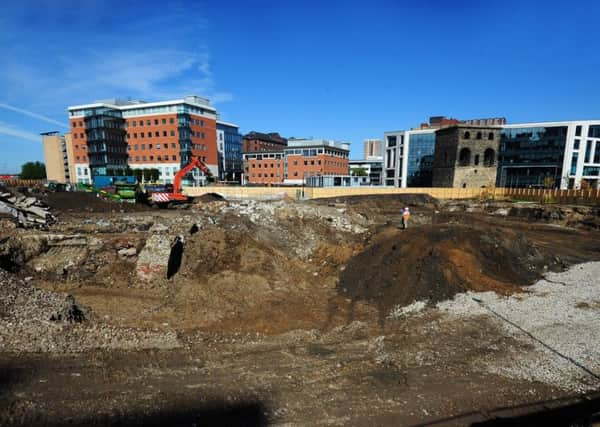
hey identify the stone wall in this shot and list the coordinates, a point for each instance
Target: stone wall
(466, 157)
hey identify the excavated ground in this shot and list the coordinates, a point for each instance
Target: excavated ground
(274, 311)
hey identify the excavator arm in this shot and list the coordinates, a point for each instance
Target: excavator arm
(177, 195)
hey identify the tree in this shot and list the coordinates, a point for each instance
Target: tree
(359, 172)
(33, 170)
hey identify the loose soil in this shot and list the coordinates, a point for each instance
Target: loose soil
(279, 311)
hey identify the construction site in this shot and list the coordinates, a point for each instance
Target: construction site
(276, 311)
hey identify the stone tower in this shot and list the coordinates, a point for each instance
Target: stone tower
(466, 156)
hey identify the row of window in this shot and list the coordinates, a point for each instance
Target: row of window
(159, 158)
(156, 134)
(163, 121)
(81, 135)
(479, 135)
(295, 174)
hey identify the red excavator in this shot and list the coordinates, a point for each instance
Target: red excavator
(177, 196)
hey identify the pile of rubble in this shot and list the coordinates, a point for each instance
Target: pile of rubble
(27, 211)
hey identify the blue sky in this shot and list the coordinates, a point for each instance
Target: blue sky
(338, 70)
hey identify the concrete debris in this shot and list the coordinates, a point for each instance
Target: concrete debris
(557, 311)
(28, 212)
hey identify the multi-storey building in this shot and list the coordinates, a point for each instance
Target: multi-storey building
(299, 160)
(466, 156)
(58, 154)
(229, 143)
(408, 158)
(162, 135)
(256, 141)
(562, 154)
(372, 149)
(408, 155)
(373, 169)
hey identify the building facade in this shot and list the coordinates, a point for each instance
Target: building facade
(162, 135)
(550, 154)
(372, 168)
(372, 149)
(255, 142)
(229, 143)
(466, 156)
(408, 160)
(58, 155)
(300, 159)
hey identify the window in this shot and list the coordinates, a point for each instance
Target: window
(149, 146)
(164, 121)
(157, 134)
(491, 136)
(478, 135)
(173, 157)
(141, 123)
(134, 123)
(172, 133)
(75, 136)
(164, 133)
(137, 158)
(156, 121)
(489, 157)
(80, 124)
(144, 158)
(588, 151)
(141, 134)
(151, 157)
(74, 124)
(158, 146)
(578, 131)
(81, 135)
(143, 146)
(464, 157)
(135, 134)
(173, 145)
(135, 147)
(148, 122)
(171, 120)
(158, 158)
(576, 145)
(467, 135)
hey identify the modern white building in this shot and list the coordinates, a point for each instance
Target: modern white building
(564, 154)
(372, 167)
(408, 158)
(560, 154)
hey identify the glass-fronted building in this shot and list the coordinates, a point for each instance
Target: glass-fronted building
(408, 160)
(229, 142)
(550, 154)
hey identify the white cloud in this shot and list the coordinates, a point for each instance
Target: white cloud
(32, 114)
(9, 130)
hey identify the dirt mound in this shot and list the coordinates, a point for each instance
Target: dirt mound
(208, 197)
(434, 263)
(79, 201)
(385, 201)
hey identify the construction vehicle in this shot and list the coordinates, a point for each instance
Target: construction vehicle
(167, 198)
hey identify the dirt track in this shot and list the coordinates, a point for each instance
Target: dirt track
(279, 312)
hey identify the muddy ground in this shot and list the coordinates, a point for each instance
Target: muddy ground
(319, 312)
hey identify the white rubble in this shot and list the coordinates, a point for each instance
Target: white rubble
(562, 311)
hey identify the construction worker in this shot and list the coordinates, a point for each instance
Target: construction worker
(405, 218)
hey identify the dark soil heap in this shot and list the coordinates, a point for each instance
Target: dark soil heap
(434, 263)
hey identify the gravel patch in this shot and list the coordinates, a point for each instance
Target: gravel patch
(35, 320)
(562, 314)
